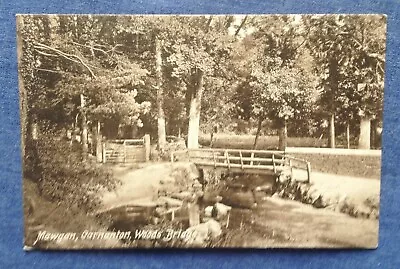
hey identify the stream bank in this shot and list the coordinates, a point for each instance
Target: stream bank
(233, 210)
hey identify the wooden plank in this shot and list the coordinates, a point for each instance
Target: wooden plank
(253, 170)
(215, 161)
(104, 152)
(240, 150)
(227, 158)
(233, 165)
(273, 163)
(241, 160)
(232, 159)
(125, 140)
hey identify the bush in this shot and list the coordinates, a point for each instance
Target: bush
(171, 146)
(63, 177)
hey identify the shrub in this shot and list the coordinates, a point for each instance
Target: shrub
(65, 178)
(171, 146)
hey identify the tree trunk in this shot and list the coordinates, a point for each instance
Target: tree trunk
(333, 85)
(84, 127)
(365, 133)
(214, 130)
(331, 137)
(348, 135)
(194, 123)
(160, 98)
(99, 143)
(374, 134)
(283, 136)
(259, 125)
(212, 137)
(194, 112)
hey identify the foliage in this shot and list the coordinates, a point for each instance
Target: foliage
(62, 177)
(75, 55)
(349, 50)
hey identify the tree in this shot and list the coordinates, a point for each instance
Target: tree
(280, 94)
(202, 44)
(281, 77)
(83, 76)
(349, 50)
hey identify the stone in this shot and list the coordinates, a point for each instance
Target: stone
(184, 195)
(170, 202)
(208, 211)
(200, 235)
(285, 176)
(211, 198)
(147, 183)
(203, 233)
(221, 210)
(236, 197)
(214, 228)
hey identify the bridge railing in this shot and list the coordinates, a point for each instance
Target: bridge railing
(233, 158)
(299, 164)
(275, 161)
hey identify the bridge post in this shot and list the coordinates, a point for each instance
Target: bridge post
(146, 142)
(124, 144)
(241, 159)
(273, 162)
(308, 172)
(104, 152)
(215, 161)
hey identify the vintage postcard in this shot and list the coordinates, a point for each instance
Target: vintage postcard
(201, 131)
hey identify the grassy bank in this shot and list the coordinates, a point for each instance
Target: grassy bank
(42, 214)
(349, 165)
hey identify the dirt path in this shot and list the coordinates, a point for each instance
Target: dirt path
(140, 186)
(283, 223)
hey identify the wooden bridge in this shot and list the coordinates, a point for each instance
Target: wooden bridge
(246, 161)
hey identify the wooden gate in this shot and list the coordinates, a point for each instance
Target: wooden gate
(127, 150)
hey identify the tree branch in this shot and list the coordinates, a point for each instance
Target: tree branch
(50, 71)
(241, 26)
(67, 56)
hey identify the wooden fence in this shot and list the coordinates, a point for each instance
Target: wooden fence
(126, 150)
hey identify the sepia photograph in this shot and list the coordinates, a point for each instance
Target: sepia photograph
(201, 131)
